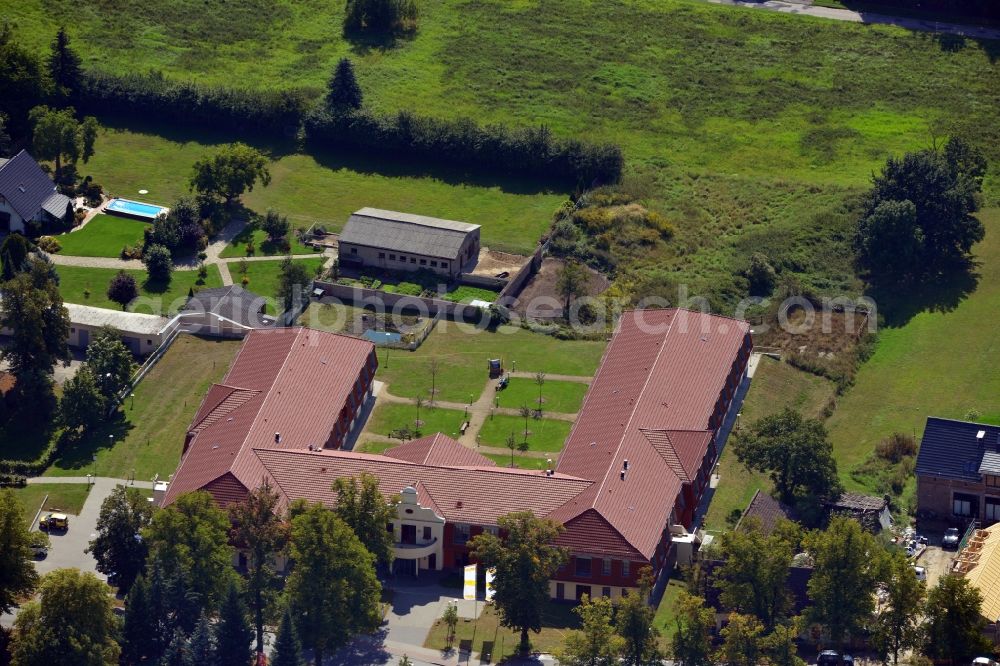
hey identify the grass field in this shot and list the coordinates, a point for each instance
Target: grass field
(67, 497)
(546, 435)
(462, 354)
(486, 633)
(775, 385)
(148, 440)
(262, 246)
(104, 236)
(265, 276)
(393, 416)
(89, 286)
(557, 396)
(522, 462)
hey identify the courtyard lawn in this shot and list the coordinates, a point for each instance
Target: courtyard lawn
(262, 246)
(775, 385)
(557, 396)
(374, 446)
(546, 435)
(486, 633)
(942, 362)
(665, 618)
(520, 461)
(66, 497)
(462, 353)
(264, 277)
(148, 439)
(389, 416)
(103, 236)
(89, 286)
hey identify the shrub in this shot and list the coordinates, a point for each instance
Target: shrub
(158, 263)
(761, 275)
(896, 446)
(49, 244)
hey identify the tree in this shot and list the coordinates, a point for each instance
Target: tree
(366, 511)
(286, 644)
(293, 281)
(780, 648)
(70, 623)
(5, 142)
(525, 414)
(450, 618)
(634, 622)
(898, 626)
(595, 643)
(17, 572)
(158, 262)
(57, 135)
(754, 572)
(380, 16)
(275, 226)
(692, 642)
(955, 622)
(796, 453)
(432, 367)
(189, 538)
(540, 380)
(571, 282)
(234, 169)
(922, 206)
(22, 83)
(201, 645)
(332, 590)
(524, 560)
(176, 653)
(118, 546)
(111, 362)
(847, 567)
(233, 634)
(82, 406)
(343, 92)
(64, 66)
(742, 639)
(258, 528)
(140, 630)
(14, 253)
(760, 275)
(418, 403)
(122, 289)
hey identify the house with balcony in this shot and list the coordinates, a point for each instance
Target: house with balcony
(958, 471)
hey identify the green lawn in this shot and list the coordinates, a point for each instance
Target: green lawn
(375, 447)
(264, 277)
(486, 632)
(466, 294)
(664, 620)
(522, 462)
(262, 246)
(546, 435)
(89, 286)
(393, 416)
(462, 354)
(104, 236)
(67, 497)
(939, 363)
(775, 385)
(149, 438)
(557, 396)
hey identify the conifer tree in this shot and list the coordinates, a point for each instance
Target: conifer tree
(233, 633)
(201, 645)
(286, 644)
(64, 66)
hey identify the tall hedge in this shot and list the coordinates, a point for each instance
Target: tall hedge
(530, 151)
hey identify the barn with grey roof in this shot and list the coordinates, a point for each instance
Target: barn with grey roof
(390, 240)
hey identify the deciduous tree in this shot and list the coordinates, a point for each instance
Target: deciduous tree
(118, 546)
(692, 642)
(524, 559)
(634, 622)
(595, 643)
(955, 621)
(571, 282)
(234, 169)
(122, 289)
(17, 572)
(293, 281)
(111, 362)
(898, 625)
(276, 226)
(742, 639)
(81, 406)
(57, 135)
(367, 511)
(22, 83)
(158, 262)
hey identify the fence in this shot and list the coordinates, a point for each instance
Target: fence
(509, 293)
(433, 307)
(174, 330)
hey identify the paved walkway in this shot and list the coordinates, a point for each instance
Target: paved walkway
(922, 25)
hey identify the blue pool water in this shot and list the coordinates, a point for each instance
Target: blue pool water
(134, 208)
(382, 337)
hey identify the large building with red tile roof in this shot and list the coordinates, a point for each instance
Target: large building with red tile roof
(632, 472)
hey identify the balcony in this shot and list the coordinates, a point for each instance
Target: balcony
(414, 551)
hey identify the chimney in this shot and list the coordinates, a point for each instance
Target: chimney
(622, 475)
(277, 438)
(625, 465)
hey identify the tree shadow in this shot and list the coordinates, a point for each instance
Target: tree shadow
(156, 286)
(363, 43)
(898, 304)
(77, 452)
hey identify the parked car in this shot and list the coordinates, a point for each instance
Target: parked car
(53, 521)
(951, 538)
(834, 658)
(920, 572)
(39, 545)
(502, 384)
(984, 661)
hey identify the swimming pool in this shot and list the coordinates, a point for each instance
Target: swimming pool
(136, 209)
(382, 337)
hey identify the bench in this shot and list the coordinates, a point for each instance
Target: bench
(464, 427)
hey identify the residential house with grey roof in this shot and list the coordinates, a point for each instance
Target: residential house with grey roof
(395, 241)
(27, 194)
(958, 471)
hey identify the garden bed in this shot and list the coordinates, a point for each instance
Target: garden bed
(423, 284)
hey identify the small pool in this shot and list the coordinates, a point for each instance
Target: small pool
(136, 209)
(382, 337)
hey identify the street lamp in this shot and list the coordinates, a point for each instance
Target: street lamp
(132, 406)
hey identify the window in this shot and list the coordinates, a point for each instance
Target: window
(412, 260)
(148, 341)
(625, 564)
(392, 257)
(354, 250)
(491, 529)
(427, 533)
(444, 264)
(965, 505)
(993, 509)
(381, 255)
(72, 330)
(402, 258)
(434, 263)
(606, 567)
(560, 591)
(583, 566)
(461, 533)
(606, 592)
(993, 481)
(423, 262)
(388, 528)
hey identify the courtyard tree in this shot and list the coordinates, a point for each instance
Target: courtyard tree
(692, 641)
(118, 546)
(276, 226)
(571, 282)
(343, 92)
(233, 633)
(524, 560)
(262, 532)
(286, 644)
(122, 289)
(634, 622)
(158, 262)
(70, 623)
(898, 626)
(82, 405)
(955, 622)
(111, 362)
(848, 563)
(58, 136)
(432, 367)
(293, 281)
(367, 511)
(540, 380)
(742, 640)
(525, 414)
(234, 169)
(795, 452)
(595, 643)
(450, 619)
(64, 66)
(332, 590)
(17, 572)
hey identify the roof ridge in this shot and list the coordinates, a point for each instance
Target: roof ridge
(270, 389)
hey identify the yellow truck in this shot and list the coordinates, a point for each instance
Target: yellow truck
(53, 521)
